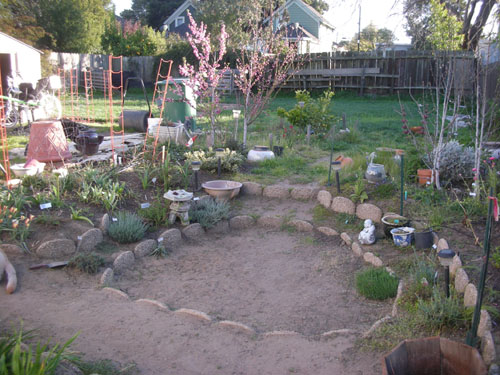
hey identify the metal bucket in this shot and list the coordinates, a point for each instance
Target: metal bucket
(137, 120)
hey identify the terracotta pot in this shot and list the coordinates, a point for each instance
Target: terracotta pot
(344, 160)
(48, 142)
(417, 129)
(424, 176)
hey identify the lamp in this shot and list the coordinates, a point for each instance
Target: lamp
(195, 166)
(236, 116)
(219, 152)
(445, 257)
(301, 104)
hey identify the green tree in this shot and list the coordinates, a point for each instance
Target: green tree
(444, 28)
(18, 18)
(74, 25)
(370, 37)
(151, 12)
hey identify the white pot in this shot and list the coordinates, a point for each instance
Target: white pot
(260, 153)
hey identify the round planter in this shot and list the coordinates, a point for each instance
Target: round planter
(260, 153)
(424, 176)
(424, 239)
(402, 236)
(392, 221)
(88, 141)
(222, 189)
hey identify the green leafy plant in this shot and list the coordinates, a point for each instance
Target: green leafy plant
(209, 212)
(88, 263)
(15, 359)
(230, 160)
(156, 214)
(160, 252)
(16, 197)
(15, 222)
(145, 176)
(104, 367)
(47, 219)
(359, 194)
(76, 214)
(376, 283)
(495, 257)
(127, 228)
(439, 311)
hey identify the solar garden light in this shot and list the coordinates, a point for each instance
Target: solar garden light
(446, 259)
(195, 166)
(219, 152)
(236, 116)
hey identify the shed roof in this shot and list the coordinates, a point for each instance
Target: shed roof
(20, 42)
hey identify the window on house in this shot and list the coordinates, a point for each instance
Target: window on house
(179, 21)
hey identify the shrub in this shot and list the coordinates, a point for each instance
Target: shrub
(441, 312)
(230, 161)
(209, 212)
(376, 283)
(456, 162)
(127, 228)
(156, 214)
(88, 263)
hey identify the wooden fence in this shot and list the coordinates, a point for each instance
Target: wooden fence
(387, 72)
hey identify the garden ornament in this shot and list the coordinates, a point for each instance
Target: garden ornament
(367, 235)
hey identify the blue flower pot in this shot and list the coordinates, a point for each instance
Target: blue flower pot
(402, 236)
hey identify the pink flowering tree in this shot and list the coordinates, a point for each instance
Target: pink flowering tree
(204, 78)
(263, 66)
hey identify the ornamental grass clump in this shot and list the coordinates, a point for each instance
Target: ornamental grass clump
(209, 212)
(376, 283)
(88, 263)
(127, 228)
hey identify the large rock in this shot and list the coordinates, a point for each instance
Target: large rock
(11, 249)
(372, 259)
(144, 248)
(328, 231)
(346, 238)
(89, 240)
(273, 222)
(461, 280)
(343, 205)
(488, 348)
(455, 265)
(357, 249)
(276, 191)
(241, 222)
(107, 277)
(251, 188)
(484, 323)
(325, 198)
(172, 238)
(470, 295)
(442, 244)
(104, 225)
(123, 261)
(56, 248)
(369, 211)
(302, 193)
(194, 232)
(301, 225)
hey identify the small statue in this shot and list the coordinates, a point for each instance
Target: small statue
(367, 235)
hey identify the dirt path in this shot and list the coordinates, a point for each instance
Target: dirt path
(266, 279)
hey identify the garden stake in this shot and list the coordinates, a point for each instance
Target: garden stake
(330, 166)
(270, 141)
(472, 334)
(337, 178)
(402, 183)
(308, 134)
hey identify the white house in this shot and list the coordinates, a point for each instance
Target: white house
(20, 60)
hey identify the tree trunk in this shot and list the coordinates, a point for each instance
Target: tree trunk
(472, 32)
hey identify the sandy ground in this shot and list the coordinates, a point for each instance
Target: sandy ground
(268, 280)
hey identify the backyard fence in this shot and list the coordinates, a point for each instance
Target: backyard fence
(368, 72)
(379, 71)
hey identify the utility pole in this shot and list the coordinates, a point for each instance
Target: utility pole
(359, 25)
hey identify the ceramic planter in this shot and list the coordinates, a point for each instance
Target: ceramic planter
(392, 221)
(402, 236)
(260, 153)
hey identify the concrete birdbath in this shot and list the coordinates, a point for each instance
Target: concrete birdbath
(222, 189)
(179, 208)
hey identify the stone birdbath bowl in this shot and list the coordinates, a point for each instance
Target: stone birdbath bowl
(222, 189)
(180, 205)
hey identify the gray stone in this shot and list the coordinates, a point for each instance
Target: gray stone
(194, 232)
(172, 238)
(345, 237)
(301, 225)
(357, 249)
(144, 248)
(470, 295)
(369, 211)
(107, 277)
(276, 191)
(123, 261)
(343, 205)
(328, 231)
(302, 193)
(442, 244)
(484, 323)
(104, 225)
(461, 280)
(273, 222)
(494, 369)
(221, 227)
(89, 240)
(455, 265)
(241, 222)
(488, 348)
(372, 259)
(325, 198)
(56, 248)
(251, 188)
(11, 249)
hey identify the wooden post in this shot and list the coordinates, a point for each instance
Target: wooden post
(308, 136)
(344, 122)
(271, 141)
